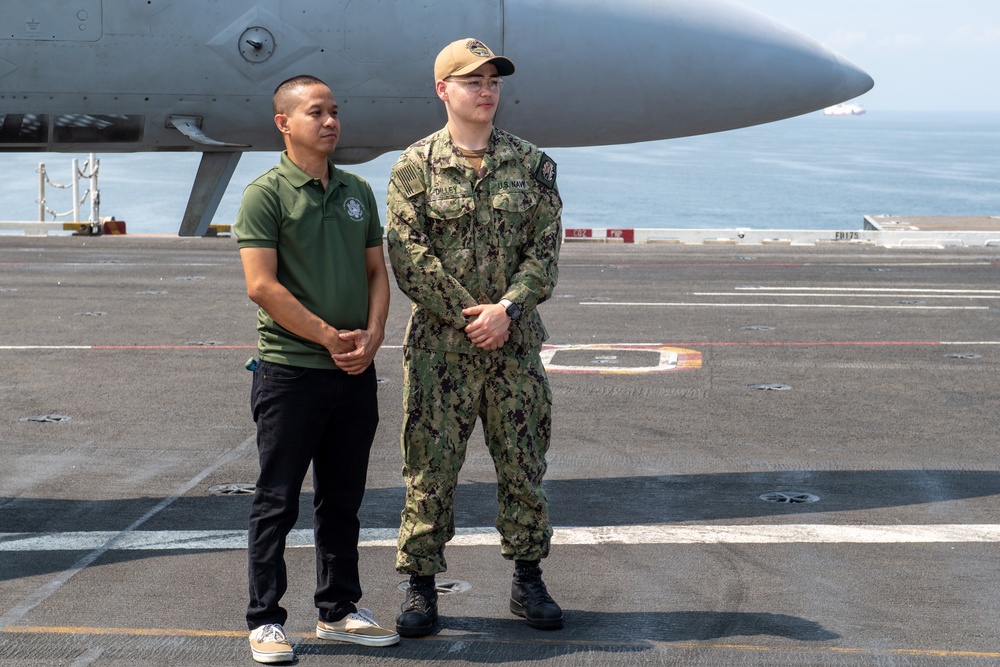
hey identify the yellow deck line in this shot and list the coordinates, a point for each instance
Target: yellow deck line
(683, 645)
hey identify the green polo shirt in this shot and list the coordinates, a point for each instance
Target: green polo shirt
(321, 237)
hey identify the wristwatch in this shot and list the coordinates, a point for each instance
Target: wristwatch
(513, 310)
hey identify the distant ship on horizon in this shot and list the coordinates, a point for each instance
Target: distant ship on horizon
(844, 109)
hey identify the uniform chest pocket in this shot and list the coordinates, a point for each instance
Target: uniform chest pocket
(515, 201)
(512, 212)
(448, 222)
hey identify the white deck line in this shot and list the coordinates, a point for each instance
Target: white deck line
(162, 540)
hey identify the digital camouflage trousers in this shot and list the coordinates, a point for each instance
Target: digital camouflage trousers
(443, 396)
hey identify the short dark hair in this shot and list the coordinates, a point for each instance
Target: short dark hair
(284, 90)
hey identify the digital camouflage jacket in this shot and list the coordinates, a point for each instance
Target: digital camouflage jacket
(456, 240)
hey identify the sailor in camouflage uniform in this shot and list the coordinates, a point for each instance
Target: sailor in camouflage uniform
(473, 232)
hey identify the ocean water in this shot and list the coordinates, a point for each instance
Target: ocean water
(813, 172)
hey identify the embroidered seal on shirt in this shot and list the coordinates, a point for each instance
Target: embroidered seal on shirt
(355, 209)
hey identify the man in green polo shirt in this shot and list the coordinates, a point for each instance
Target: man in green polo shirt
(311, 245)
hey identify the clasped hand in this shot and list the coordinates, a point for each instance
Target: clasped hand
(490, 325)
(354, 351)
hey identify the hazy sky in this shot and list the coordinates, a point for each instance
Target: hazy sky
(923, 54)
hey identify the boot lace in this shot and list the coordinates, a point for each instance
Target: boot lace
(418, 599)
(536, 591)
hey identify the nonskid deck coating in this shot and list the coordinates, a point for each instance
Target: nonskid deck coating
(890, 356)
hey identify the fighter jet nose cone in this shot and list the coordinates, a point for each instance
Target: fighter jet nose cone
(854, 80)
(861, 81)
(664, 69)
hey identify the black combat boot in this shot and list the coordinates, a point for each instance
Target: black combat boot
(530, 600)
(419, 612)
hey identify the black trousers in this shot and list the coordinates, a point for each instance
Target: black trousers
(327, 418)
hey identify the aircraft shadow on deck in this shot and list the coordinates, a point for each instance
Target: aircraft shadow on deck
(658, 499)
(606, 501)
(586, 502)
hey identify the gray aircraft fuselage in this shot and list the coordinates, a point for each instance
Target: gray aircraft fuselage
(191, 75)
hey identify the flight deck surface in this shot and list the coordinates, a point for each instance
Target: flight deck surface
(761, 455)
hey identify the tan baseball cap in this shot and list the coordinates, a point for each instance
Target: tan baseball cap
(465, 55)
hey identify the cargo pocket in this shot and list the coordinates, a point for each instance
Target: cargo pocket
(411, 396)
(411, 414)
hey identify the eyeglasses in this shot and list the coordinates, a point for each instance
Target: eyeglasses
(474, 84)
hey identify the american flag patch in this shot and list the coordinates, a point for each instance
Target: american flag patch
(408, 178)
